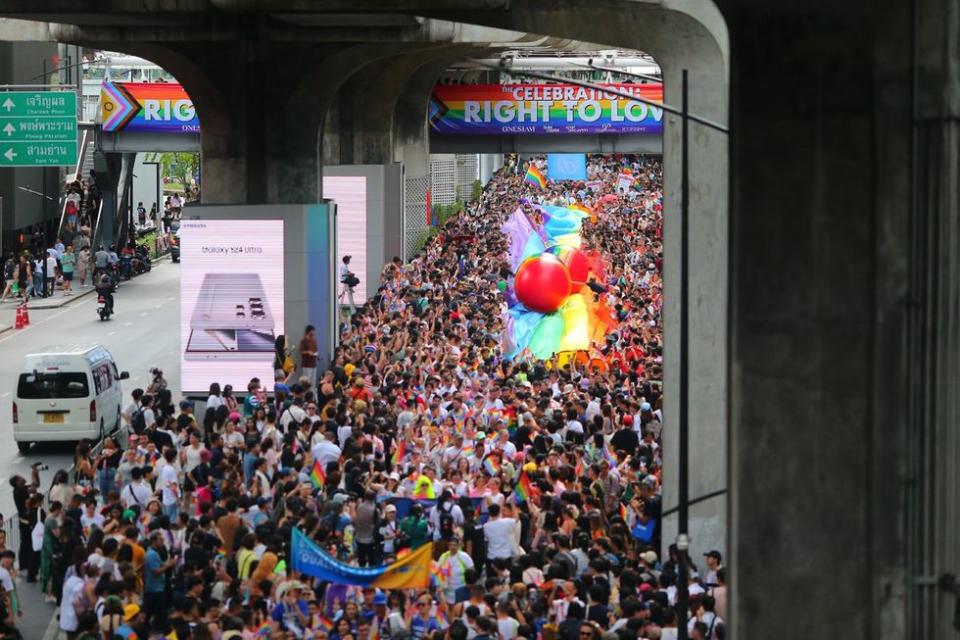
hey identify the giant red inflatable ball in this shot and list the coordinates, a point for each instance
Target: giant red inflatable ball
(576, 263)
(542, 283)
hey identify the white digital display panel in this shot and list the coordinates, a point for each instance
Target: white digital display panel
(350, 194)
(231, 301)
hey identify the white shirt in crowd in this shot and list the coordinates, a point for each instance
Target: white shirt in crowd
(168, 477)
(135, 493)
(72, 589)
(325, 452)
(499, 536)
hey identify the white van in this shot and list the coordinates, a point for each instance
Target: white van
(67, 392)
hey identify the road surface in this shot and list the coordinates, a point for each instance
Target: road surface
(142, 334)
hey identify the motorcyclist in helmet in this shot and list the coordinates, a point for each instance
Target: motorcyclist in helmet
(105, 288)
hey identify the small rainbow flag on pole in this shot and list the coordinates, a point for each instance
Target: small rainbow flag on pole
(535, 177)
(326, 623)
(623, 511)
(491, 466)
(524, 489)
(399, 454)
(264, 630)
(317, 476)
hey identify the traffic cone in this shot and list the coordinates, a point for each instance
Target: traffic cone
(26, 314)
(18, 321)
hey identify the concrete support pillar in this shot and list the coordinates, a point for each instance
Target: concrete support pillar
(490, 163)
(933, 358)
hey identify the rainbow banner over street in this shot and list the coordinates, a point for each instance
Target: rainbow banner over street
(150, 107)
(494, 109)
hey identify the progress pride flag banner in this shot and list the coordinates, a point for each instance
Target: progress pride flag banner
(495, 109)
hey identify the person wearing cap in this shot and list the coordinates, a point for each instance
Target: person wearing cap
(291, 613)
(714, 564)
(388, 531)
(132, 624)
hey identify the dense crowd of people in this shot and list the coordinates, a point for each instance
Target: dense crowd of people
(536, 482)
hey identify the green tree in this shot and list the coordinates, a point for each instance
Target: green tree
(179, 166)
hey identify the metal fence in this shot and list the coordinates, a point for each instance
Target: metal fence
(416, 225)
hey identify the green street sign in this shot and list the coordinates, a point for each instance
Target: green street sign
(38, 128)
(37, 154)
(43, 104)
(29, 128)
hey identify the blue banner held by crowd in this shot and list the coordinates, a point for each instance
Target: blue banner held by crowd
(566, 166)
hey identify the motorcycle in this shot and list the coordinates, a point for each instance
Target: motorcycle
(141, 260)
(104, 308)
(126, 267)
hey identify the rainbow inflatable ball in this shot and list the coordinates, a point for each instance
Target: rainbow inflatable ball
(576, 263)
(542, 283)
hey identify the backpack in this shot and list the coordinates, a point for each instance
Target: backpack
(446, 523)
(138, 422)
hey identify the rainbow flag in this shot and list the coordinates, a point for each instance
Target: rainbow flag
(438, 575)
(584, 209)
(326, 623)
(524, 489)
(491, 466)
(264, 630)
(535, 177)
(623, 511)
(399, 453)
(610, 456)
(317, 476)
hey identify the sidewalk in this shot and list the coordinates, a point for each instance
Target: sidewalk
(39, 619)
(58, 300)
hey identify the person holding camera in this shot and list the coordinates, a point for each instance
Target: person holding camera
(157, 384)
(27, 517)
(349, 280)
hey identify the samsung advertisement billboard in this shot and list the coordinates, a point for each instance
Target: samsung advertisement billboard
(231, 300)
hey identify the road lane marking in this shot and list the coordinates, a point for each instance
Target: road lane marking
(128, 324)
(111, 333)
(20, 332)
(5, 395)
(143, 315)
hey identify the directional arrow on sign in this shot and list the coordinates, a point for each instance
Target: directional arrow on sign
(9, 104)
(9, 129)
(9, 155)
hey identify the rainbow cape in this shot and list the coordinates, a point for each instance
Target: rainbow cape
(535, 177)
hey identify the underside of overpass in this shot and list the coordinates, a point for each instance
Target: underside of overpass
(825, 357)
